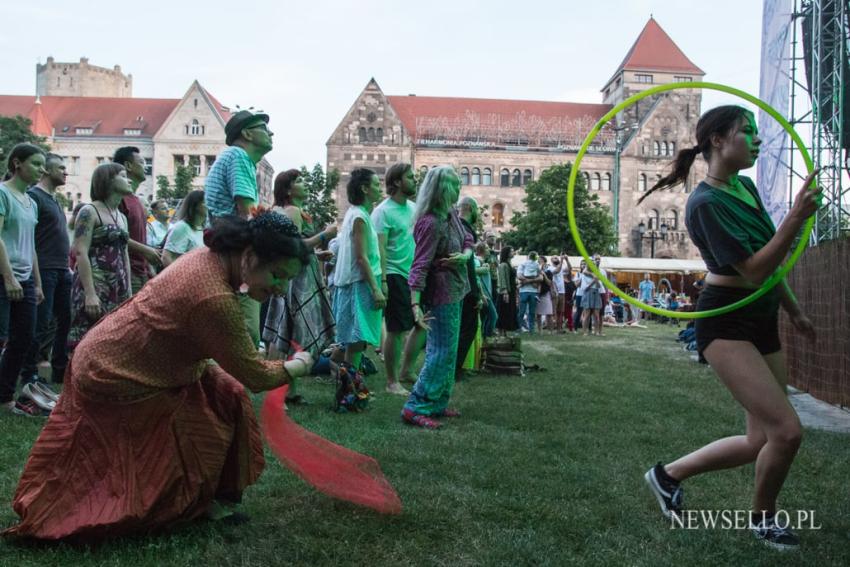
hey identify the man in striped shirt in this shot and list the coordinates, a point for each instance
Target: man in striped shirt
(231, 185)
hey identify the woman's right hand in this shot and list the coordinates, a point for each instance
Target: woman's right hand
(14, 291)
(92, 307)
(807, 200)
(420, 319)
(379, 298)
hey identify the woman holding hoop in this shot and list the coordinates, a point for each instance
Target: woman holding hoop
(741, 248)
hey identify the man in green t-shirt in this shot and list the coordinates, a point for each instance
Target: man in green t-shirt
(393, 221)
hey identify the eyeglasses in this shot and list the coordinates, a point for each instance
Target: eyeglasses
(259, 127)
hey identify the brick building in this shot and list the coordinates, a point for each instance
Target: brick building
(498, 146)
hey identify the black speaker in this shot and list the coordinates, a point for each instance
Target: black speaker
(829, 37)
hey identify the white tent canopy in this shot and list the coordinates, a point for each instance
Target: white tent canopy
(651, 265)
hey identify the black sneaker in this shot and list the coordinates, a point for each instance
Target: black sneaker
(668, 492)
(776, 537)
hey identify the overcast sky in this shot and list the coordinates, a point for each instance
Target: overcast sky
(305, 62)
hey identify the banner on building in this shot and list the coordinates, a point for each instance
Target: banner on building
(774, 88)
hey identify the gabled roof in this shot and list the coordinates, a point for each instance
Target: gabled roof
(107, 116)
(654, 50)
(427, 116)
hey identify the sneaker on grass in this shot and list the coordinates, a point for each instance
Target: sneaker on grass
(667, 490)
(781, 538)
(32, 393)
(27, 407)
(419, 420)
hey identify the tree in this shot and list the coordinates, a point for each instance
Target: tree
(16, 130)
(183, 177)
(543, 226)
(320, 203)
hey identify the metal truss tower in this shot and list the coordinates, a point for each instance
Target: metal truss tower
(819, 58)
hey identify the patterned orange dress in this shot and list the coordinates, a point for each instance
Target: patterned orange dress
(148, 431)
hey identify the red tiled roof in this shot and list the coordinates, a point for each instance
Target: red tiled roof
(108, 116)
(653, 50)
(41, 126)
(465, 118)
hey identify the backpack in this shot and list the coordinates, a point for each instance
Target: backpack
(351, 392)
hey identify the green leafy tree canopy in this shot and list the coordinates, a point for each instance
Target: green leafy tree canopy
(543, 225)
(16, 130)
(320, 203)
(183, 177)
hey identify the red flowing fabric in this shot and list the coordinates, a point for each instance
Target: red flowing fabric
(330, 468)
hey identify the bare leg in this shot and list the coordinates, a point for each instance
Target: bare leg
(412, 347)
(392, 355)
(354, 352)
(773, 428)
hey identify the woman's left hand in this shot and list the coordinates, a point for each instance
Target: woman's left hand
(457, 259)
(804, 326)
(39, 295)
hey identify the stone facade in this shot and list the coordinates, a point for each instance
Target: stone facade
(643, 139)
(81, 79)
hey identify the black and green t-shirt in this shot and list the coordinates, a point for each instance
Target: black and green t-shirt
(725, 229)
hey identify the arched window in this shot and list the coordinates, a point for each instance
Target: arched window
(379, 135)
(476, 176)
(666, 148)
(527, 177)
(673, 219)
(464, 176)
(498, 214)
(516, 181)
(653, 220)
(487, 179)
(595, 182)
(362, 134)
(606, 182)
(506, 178)
(672, 148)
(370, 135)
(656, 148)
(642, 183)
(196, 127)
(586, 176)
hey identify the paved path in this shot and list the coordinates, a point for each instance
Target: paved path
(816, 414)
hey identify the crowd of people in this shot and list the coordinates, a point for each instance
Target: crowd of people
(154, 398)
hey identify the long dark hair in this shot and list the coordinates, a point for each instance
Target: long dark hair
(505, 254)
(718, 120)
(21, 152)
(189, 206)
(271, 235)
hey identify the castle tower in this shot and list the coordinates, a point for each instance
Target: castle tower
(82, 79)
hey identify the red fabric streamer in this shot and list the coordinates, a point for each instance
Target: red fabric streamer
(330, 468)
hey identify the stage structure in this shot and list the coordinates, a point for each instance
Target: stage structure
(820, 103)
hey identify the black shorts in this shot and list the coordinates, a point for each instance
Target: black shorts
(757, 322)
(398, 313)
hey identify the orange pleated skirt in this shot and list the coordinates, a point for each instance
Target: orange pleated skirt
(100, 470)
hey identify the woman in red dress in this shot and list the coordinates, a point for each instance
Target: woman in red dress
(149, 432)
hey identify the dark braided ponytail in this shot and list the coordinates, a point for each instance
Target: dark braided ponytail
(718, 120)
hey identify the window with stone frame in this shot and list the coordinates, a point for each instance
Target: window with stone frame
(476, 176)
(370, 135)
(595, 182)
(527, 177)
(195, 164)
(642, 183)
(516, 178)
(361, 133)
(505, 180)
(464, 176)
(656, 148)
(643, 78)
(196, 129)
(487, 177)
(379, 135)
(606, 182)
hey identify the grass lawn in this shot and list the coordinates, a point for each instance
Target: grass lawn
(541, 470)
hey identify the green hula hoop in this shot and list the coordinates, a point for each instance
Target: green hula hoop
(769, 283)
